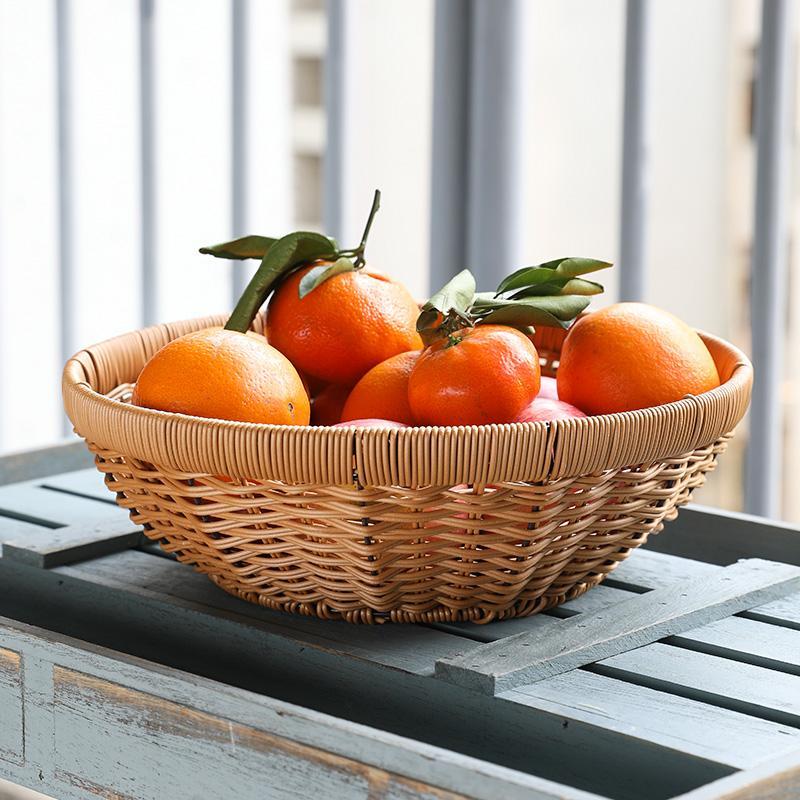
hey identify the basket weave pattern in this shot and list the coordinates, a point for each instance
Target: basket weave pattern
(417, 525)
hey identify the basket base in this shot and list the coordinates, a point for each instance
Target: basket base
(370, 616)
(440, 554)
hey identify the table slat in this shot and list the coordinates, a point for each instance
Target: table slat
(113, 725)
(706, 728)
(729, 684)
(32, 502)
(721, 537)
(52, 548)
(642, 619)
(646, 569)
(85, 483)
(746, 640)
(672, 720)
(341, 679)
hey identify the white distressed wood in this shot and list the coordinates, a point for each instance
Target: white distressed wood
(53, 521)
(729, 684)
(525, 658)
(87, 483)
(598, 598)
(778, 779)
(673, 722)
(646, 569)
(30, 464)
(14, 529)
(600, 726)
(345, 679)
(12, 727)
(746, 640)
(134, 728)
(670, 720)
(780, 612)
(55, 547)
(30, 501)
(746, 637)
(405, 647)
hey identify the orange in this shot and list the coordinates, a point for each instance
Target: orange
(383, 392)
(630, 356)
(326, 407)
(481, 375)
(226, 375)
(345, 326)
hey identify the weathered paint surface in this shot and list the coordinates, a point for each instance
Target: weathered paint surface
(639, 620)
(190, 751)
(11, 718)
(103, 724)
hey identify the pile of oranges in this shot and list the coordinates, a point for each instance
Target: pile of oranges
(345, 345)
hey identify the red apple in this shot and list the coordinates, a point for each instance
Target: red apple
(326, 405)
(543, 409)
(370, 423)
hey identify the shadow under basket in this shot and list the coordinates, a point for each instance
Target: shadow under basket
(403, 525)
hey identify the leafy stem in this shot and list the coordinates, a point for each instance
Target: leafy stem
(280, 257)
(550, 294)
(358, 253)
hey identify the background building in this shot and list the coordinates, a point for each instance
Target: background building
(74, 201)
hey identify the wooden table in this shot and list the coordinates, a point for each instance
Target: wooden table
(125, 674)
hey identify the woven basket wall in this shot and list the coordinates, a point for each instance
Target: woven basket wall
(409, 525)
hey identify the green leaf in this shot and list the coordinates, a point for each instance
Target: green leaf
(246, 247)
(288, 253)
(457, 294)
(561, 268)
(559, 287)
(574, 266)
(527, 276)
(317, 275)
(428, 319)
(556, 311)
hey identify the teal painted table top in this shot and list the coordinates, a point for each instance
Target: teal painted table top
(126, 674)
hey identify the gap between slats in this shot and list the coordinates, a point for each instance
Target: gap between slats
(84, 495)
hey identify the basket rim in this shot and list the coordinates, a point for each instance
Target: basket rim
(407, 457)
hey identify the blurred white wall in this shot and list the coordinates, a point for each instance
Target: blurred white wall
(572, 122)
(30, 399)
(389, 133)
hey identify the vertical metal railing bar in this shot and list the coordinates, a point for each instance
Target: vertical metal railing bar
(66, 265)
(769, 271)
(334, 169)
(239, 142)
(633, 214)
(450, 140)
(495, 169)
(149, 286)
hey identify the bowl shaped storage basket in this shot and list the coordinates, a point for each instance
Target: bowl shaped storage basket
(403, 525)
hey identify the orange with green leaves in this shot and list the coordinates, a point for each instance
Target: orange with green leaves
(465, 358)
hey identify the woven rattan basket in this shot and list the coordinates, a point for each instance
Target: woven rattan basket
(411, 525)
